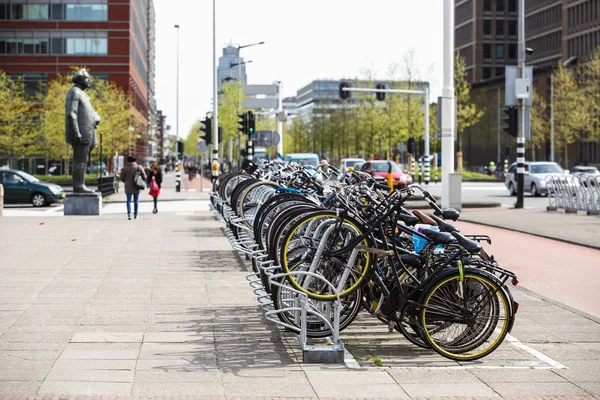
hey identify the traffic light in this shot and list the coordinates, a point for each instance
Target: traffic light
(180, 149)
(410, 145)
(220, 135)
(207, 129)
(243, 122)
(512, 121)
(251, 123)
(343, 94)
(380, 95)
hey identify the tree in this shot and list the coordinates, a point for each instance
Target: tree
(571, 109)
(467, 113)
(591, 87)
(16, 133)
(540, 123)
(52, 116)
(190, 143)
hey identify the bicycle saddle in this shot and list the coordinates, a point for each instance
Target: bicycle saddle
(444, 226)
(424, 218)
(412, 259)
(471, 246)
(408, 219)
(438, 237)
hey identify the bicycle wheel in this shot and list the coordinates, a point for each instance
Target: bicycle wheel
(466, 316)
(308, 247)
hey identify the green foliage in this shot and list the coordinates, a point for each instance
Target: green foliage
(189, 144)
(540, 122)
(66, 181)
(16, 119)
(467, 112)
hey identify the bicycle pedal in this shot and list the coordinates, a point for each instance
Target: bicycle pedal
(391, 326)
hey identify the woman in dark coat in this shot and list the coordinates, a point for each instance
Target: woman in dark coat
(131, 191)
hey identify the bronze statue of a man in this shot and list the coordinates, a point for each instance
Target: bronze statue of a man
(80, 127)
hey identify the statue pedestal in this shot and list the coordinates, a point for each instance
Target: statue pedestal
(83, 204)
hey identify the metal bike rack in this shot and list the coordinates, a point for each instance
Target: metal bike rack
(302, 308)
(573, 194)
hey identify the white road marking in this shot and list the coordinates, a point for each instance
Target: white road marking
(537, 354)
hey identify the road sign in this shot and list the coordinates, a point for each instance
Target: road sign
(260, 103)
(511, 74)
(201, 146)
(265, 138)
(251, 90)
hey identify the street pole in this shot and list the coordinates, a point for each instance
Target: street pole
(552, 116)
(177, 101)
(280, 122)
(427, 163)
(448, 105)
(521, 129)
(215, 126)
(498, 133)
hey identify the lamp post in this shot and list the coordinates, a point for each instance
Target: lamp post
(177, 100)
(231, 65)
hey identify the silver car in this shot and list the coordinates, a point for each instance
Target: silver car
(534, 179)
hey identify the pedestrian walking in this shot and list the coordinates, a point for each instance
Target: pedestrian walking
(131, 175)
(148, 172)
(155, 185)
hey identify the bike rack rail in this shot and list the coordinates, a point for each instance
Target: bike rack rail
(302, 307)
(573, 194)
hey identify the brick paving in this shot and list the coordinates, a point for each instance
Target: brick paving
(160, 307)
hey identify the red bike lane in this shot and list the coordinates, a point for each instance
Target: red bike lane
(560, 271)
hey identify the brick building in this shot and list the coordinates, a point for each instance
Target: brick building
(114, 39)
(486, 36)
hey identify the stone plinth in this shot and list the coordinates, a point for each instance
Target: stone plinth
(83, 204)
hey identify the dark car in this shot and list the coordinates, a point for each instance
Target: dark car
(381, 167)
(20, 187)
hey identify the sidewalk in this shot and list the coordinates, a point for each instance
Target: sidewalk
(160, 307)
(167, 193)
(570, 228)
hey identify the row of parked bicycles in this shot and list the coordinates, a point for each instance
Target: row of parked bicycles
(347, 242)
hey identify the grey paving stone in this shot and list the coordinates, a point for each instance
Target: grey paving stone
(99, 354)
(207, 376)
(448, 389)
(175, 337)
(176, 364)
(89, 388)
(28, 337)
(42, 329)
(111, 328)
(404, 376)
(123, 365)
(23, 374)
(581, 371)
(592, 388)
(23, 363)
(516, 375)
(30, 355)
(23, 346)
(90, 375)
(175, 389)
(537, 389)
(107, 337)
(19, 387)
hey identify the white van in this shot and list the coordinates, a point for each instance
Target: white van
(303, 158)
(346, 163)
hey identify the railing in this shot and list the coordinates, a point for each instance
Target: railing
(573, 194)
(106, 185)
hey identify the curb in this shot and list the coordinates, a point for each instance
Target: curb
(422, 205)
(590, 246)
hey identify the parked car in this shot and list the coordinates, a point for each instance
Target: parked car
(380, 168)
(303, 158)
(346, 163)
(20, 187)
(591, 174)
(94, 167)
(536, 173)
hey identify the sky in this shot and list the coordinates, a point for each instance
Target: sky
(304, 41)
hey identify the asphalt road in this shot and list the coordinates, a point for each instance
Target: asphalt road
(497, 192)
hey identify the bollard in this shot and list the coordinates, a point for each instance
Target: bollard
(427, 171)
(178, 181)
(1, 199)
(420, 170)
(414, 169)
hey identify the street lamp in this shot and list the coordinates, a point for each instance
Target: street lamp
(177, 101)
(231, 65)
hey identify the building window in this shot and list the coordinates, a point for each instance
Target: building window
(500, 52)
(487, 72)
(98, 46)
(87, 12)
(512, 5)
(499, 5)
(35, 11)
(487, 5)
(58, 12)
(499, 27)
(487, 27)
(512, 51)
(512, 28)
(487, 50)
(499, 71)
